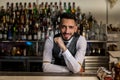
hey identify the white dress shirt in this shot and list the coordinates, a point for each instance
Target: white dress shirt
(73, 63)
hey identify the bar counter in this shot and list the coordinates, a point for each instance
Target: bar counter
(46, 76)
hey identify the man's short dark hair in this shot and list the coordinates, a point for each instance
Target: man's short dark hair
(68, 16)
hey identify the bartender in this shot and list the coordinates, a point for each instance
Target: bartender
(66, 48)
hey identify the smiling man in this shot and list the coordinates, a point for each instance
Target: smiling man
(66, 48)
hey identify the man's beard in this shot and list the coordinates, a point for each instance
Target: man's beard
(69, 38)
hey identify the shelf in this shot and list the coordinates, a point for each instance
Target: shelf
(22, 41)
(44, 40)
(113, 32)
(96, 41)
(114, 52)
(112, 41)
(21, 57)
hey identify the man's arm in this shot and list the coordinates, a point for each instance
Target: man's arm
(74, 64)
(48, 67)
(47, 59)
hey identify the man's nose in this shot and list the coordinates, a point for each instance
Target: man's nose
(67, 30)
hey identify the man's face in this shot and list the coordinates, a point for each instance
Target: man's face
(68, 28)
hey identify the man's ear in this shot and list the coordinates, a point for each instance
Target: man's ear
(76, 28)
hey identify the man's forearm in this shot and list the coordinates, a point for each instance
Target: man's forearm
(48, 67)
(71, 62)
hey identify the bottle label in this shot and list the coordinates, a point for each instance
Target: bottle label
(43, 36)
(35, 37)
(39, 35)
(24, 37)
(5, 36)
(10, 37)
(29, 37)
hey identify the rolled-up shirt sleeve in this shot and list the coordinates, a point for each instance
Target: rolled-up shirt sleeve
(74, 63)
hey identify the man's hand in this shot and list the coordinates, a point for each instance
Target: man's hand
(82, 70)
(60, 43)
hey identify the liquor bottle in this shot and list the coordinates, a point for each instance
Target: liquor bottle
(12, 11)
(51, 7)
(97, 52)
(56, 9)
(5, 30)
(48, 30)
(42, 10)
(26, 30)
(18, 51)
(20, 8)
(7, 5)
(46, 9)
(90, 20)
(14, 30)
(5, 24)
(41, 15)
(78, 14)
(73, 10)
(35, 10)
(51, 32)
(96, 29)
(30, 30)
(25, 9)
(30, 51)
(29, 10)
(92, 51)
(84, 31)
(69, 8)
(19, 28)
(43, 33)
(103, 31)
(35, 30)
(1, 30)
(35, 37)
(24, 51)
(102, 52)
(24, 33)
(39, 33)
(17, 12)
(22, 18)
(2, 14)
(7, 15)
(64, 7)
(9, 33)
(60, 8)
(88, 50)
(13, 51)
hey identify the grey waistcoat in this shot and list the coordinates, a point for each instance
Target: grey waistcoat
(59, 60)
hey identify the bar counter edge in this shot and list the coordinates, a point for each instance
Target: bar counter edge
(3, 73)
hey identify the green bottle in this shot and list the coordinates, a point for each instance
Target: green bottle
(69, 8)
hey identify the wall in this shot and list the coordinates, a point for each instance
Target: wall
(97, 7)
(114, 14)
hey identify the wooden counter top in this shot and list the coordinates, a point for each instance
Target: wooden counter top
(5, 73)
(46, 76)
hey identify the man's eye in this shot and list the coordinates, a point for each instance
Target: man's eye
(71, 27)
(63, 26)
